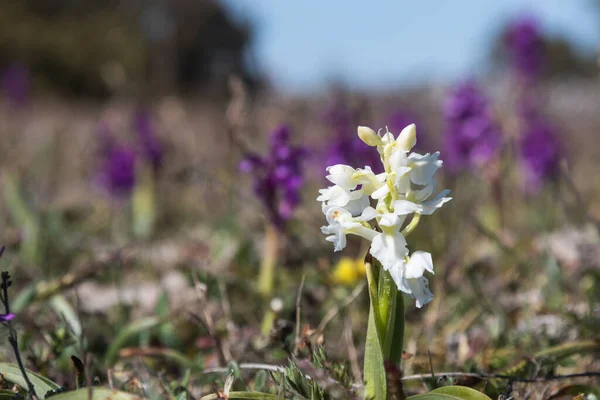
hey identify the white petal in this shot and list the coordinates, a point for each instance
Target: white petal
(420, 291)
(420, 261)
(335, 195)
(397, 276)
(341, 175)
(358, 202)
(388, 220)
(423, 167)
(368, 214)
(389, 250)
(338, 237)
(405, 207)
(423, 194)
(363, 231)
(430, 206)
(369, 181)
(381, 192)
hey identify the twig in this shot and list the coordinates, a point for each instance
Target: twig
(335, 310)
(352, 353)
(208, 324)
(298, 308)
(578, 196)
(226, 307)
(266, 367)
(593, 374)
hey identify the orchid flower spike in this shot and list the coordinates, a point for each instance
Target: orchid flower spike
(405, 189)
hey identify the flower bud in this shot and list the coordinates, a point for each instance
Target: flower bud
(369, 136)
(408, 137)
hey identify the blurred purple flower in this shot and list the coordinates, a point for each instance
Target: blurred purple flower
(117, 168)
(15, 84)
(277, 176)
(6, 317)
(471, 136)
(346, 147)
(540, 152)
(152, 150)
(525, 47)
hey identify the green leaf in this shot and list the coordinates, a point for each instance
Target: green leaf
(462, 392)
(12, 373)
(98, 393)
(24, 298)
(25, 218)
(398, 336)
(63, 308)
(374, 371)
(433, 396)
(126, 334)
(243, 395)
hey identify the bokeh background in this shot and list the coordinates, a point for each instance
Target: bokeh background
(155, 152)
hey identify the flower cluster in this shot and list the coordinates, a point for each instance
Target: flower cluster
(278, 176)
(406, 187)
(525, 47)
(472, 138)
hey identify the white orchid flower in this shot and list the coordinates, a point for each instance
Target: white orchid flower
(404, 188)
(349, 178)
(342, 223)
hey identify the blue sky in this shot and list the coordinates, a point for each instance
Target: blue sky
(371, 44)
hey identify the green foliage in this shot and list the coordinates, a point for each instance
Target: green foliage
(375, 377)
(127, 333)
(433, 396)
(301, 385)
(42, 385)
(550, 357)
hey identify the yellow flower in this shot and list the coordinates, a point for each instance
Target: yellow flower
(348, 271)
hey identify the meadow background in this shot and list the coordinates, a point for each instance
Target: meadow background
(155, 155)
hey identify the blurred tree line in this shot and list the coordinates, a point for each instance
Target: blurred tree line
(95, 47)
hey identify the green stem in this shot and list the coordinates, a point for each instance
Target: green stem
(266, 276)
(269, 259)
(373, 275)
(413, 224)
